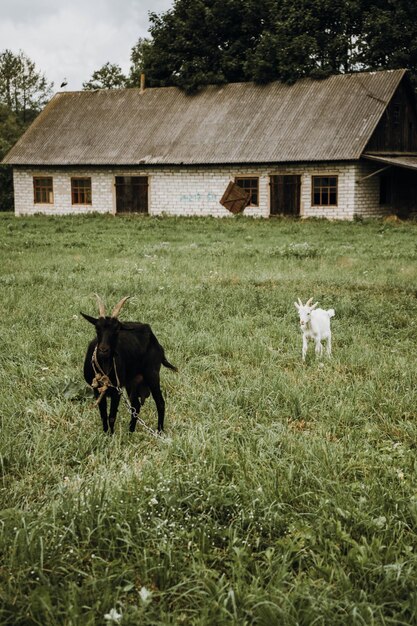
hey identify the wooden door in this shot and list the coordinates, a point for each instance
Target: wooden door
(285, 194)
(131, 194)
(235, 199)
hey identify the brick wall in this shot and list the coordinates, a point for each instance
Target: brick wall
(367, 191)
(345, 191)
(197, 190)
(102, 191)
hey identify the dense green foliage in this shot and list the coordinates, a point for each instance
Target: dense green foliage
(23, 93)
(282, 493)
(109, 76)
(10, 130)
(199, 42)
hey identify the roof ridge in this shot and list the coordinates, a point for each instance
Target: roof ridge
(340, 76)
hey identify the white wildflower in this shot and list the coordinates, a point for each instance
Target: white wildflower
(145, 595)
(113, 616)
(380, 522)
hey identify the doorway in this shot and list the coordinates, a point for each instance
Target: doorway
(131, 194)
(285, 194)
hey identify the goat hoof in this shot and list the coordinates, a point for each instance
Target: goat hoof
(132, 427)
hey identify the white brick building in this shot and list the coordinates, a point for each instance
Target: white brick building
(337, 148)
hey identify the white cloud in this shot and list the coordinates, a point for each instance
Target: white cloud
(73, 39)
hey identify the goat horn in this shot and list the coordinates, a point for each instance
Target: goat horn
(299, 302)
(118, 306)
(101, 307)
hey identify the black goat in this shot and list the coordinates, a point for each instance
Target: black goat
(124, 354)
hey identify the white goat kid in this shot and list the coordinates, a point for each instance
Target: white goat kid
(315, 325)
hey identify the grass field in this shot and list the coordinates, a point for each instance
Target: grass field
(282, 494)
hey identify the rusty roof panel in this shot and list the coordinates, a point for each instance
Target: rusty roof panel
(331, 119)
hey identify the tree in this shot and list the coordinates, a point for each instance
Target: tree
(204, 41)
(109, 76)
(313, 38)
(10, 131)
(137, 59)
(389, 35)
(23, 89)
(199, 42)
(23, 93)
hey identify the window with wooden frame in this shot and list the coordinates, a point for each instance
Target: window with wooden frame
(324, 191)
(43, 191)
(81, 190)
(250, 184)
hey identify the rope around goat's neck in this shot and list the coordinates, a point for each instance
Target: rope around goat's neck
(101, 380)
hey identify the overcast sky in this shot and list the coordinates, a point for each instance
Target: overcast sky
(73, 38)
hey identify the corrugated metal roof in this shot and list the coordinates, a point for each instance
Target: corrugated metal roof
(407, 161)
(331, 119)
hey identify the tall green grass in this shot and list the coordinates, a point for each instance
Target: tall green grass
(282, 493)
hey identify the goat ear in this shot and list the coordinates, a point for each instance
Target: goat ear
(92, 320)
(313, 306)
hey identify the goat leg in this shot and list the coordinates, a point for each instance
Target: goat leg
(329, 345)
(305, 347)
(114, 405)
(134, 412)
(102, 405)
(138, 391)
(154, 386)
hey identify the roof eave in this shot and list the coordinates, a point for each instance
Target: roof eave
(167, 164)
